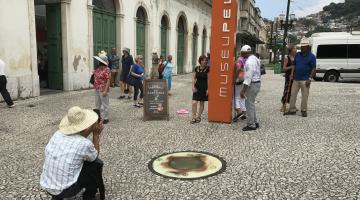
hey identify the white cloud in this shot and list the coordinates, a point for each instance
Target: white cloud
(302, 8)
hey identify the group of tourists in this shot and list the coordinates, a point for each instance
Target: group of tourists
(247, 76)
(131, 78)
(71, 160)
(299, 71)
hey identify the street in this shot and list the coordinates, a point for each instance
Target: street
(289, 157)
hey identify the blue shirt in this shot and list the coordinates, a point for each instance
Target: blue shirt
(137, 69)
(304, 65)
(113, 61)
(168, 69)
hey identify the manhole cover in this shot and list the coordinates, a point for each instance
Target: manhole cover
(187, 165)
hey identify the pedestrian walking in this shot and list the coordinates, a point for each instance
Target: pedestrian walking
(114, 60)
(127, 61)
(71, 160)
(305, 65)
(3, 82)
(240, 107)
(161, 66)
(137, 71)
(102, 76)
(251, 87)
(288, 67)
(200, 89)
(167, 73)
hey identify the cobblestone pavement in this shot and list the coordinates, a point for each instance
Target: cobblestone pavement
(287, 158)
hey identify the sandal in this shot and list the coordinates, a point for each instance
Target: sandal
(198, 119)
(193, 121)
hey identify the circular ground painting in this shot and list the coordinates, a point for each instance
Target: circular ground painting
(187, 165)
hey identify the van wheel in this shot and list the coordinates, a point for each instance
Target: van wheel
(331, 76)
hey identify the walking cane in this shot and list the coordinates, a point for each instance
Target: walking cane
(289, 90)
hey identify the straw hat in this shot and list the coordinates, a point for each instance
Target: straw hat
(304, 42)
(77, 120)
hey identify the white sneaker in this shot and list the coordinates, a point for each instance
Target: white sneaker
(11, 106)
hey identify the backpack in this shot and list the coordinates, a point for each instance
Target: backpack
(161, 68)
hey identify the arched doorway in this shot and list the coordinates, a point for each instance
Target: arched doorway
(104, 24)
(49, 45)
(181, 45)
(204, 42)
(141, 32)
(194, 46)
(164, 36)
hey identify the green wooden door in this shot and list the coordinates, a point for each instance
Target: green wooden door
(55, 68)
(164, 41)
(104, 30)
(140, 39)
(180, 52)
(194, 50)
(98, 37)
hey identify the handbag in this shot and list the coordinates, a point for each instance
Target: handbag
(262, 69)
(92, 79)
(131, 80)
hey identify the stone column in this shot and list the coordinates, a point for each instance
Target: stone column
(65, 34)
(33, 50)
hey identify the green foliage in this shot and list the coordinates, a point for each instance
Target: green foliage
(348, 9)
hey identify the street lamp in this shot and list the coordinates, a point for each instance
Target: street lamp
(289, 24)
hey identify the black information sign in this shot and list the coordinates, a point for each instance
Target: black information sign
(156, 105)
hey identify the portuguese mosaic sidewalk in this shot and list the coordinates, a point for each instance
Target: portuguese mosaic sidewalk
(287, 158)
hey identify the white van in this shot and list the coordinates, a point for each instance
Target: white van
(337, 55)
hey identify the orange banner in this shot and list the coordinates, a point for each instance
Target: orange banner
(221, 87)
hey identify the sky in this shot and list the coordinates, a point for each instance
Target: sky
(301, 8)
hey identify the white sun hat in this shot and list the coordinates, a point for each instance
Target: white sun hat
(102, 58)
(77, 120)
(246, 48)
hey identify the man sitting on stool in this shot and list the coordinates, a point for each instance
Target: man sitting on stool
(71, 160)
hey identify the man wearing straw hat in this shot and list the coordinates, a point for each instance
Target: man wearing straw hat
(71, 160)
(127, 61)
(305, 65)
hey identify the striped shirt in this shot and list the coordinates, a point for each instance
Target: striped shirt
(64, 158)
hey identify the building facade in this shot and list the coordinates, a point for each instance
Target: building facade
(53, 41)
(251, 27)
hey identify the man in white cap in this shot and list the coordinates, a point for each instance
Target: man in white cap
(3, 81)
(305, 66)
(71, 160)
(251, 87)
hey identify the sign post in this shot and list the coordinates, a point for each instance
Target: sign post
(221, 88)
(156, 100)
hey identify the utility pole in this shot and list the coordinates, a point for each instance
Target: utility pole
(286, 27)
(270, 43)
(275, 41)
